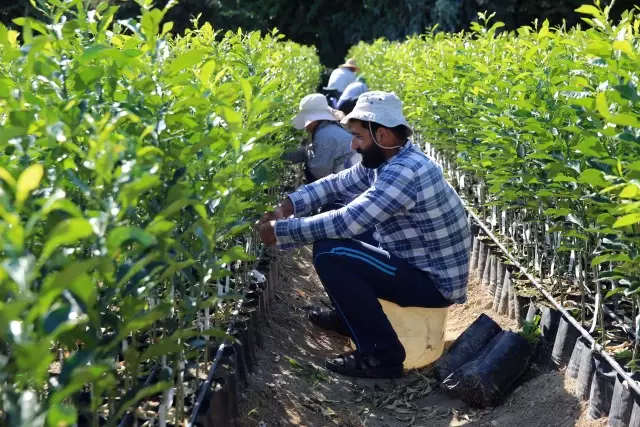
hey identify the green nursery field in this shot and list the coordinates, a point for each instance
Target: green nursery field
(134, 162)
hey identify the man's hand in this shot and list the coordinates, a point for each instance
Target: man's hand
(283, 211)
(267, 217)
(267, 233)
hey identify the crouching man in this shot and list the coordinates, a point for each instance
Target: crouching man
(420, 256)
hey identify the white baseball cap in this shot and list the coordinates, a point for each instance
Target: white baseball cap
(312, 108)
(384, 108)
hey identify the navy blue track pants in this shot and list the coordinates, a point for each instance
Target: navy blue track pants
(355, 273)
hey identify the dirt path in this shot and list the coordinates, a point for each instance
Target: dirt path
(292, 387)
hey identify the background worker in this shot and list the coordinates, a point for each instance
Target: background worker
(340, 78)
(351, 93)
(330, 148)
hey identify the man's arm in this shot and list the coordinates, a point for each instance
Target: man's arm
(393, 192)
(311, 197)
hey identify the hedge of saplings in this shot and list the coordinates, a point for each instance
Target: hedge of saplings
(133, 164)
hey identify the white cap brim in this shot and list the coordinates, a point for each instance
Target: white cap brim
(390, 120)
(303, 118)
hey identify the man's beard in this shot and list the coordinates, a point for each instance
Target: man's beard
(372, 157)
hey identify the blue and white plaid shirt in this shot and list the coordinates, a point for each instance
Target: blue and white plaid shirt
(417, 215)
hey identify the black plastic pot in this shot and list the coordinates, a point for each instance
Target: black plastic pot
(493, 271)
(218, 413)
(585, 374)
(473, 261)
(565, 343)
(483, 381)
(226, 375)
(241, 364)
(482, 259)
(503, 305)
(521, 307)
(621, 403)
(249, 309)
(258, 299)
(532, 311)
(466, 346)
(497, 296)
(576, 356)
(604, 380)
(261, 288)
(635, 413)
(549, 322)
(266, 291)
(487, 269)
(240, 331)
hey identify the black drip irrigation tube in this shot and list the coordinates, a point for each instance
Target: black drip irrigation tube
(217, 401)
(593, 367)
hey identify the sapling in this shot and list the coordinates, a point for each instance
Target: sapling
(531, 331)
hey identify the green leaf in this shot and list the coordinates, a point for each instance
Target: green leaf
(631, 191)
(64, 278)
(601, 104)
(33, 24)
(591, 147)
(624, 46)
(589, 10)
(78, 378)
(165, 347)
(625, 120)
(28, 181)
(146, 319)
(95, 52)
(187, 60)
(159, 227)
(627, 220)
(121, 235)
(6, 177)
(206, 71)
(235, 253)
(131, 192)
(610, 258)
(613, 292)
(66, 232)
(61, 415)
(594, 178)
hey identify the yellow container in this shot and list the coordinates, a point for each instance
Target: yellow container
(421, 332)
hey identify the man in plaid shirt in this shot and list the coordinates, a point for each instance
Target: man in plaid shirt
(420, 256)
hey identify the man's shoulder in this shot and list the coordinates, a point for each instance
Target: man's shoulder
(413, 161)
(412, 157)
(329, 130)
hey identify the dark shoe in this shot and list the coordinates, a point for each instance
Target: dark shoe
(329, 320)
(357, 365)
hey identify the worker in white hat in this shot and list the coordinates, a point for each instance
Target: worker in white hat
(330, 148)
(342, 76)
(423, 238)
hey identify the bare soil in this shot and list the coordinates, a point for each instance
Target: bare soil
(291, 387)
